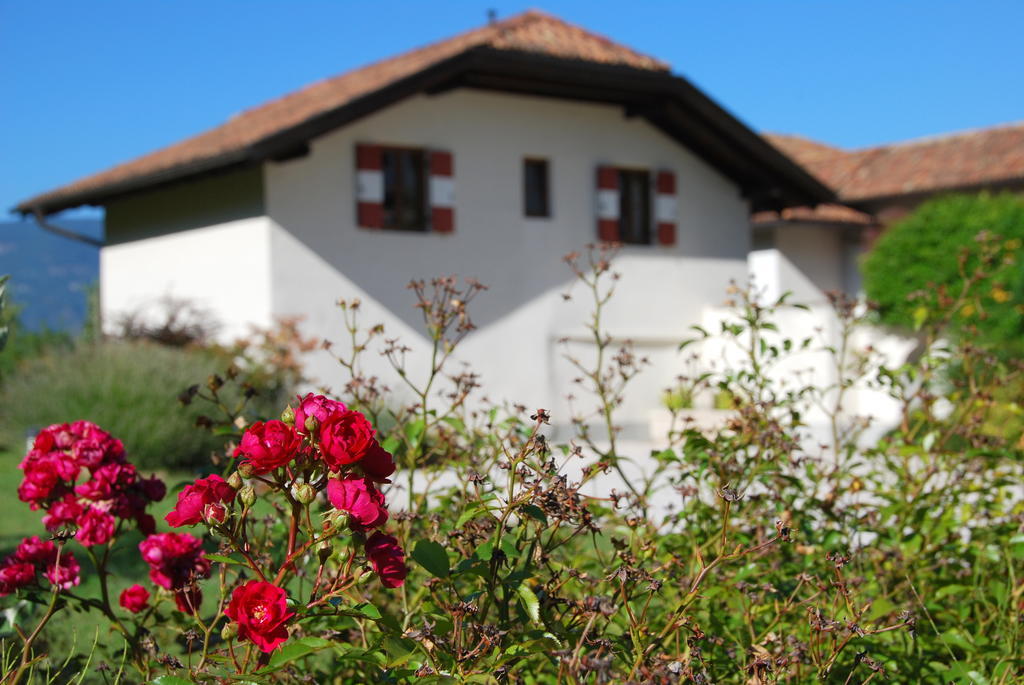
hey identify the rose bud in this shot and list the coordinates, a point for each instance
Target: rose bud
(247, 495)
(134, 599)
(235, 481)
(214, 513)
(304, 493)
(288, 416)
(311, 424)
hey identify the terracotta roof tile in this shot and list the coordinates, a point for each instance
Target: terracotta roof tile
(825, 213)
(960, 160)
(531, 31)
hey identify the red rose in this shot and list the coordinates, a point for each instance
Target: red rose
(378, 464)
(175, 559)
(134, 599)
(201, 500)
(95, 527)
(261, 611)
(345, 438)
(267, 446)
(317, 407)
(188, 600)
(153, 488)
(357, 496)
(387, 559)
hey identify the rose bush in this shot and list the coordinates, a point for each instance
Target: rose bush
(88, 492)
(746, 553)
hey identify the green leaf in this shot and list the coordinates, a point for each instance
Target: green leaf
(170, 680)
(392, 444)
(414, 432)
(224, 559)
(368, 610)
(471, 514)
(431, 556)
(920, 316)
(535, 511)
(293, 651)
(530, 602)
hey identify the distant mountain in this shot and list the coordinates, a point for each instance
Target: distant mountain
(50, 275)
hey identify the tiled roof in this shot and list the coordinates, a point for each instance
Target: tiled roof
(972, 159)
(532, 32)
(824, 214)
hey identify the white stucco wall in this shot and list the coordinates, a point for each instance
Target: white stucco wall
(224, 268)
(320, 255)
(808, 260)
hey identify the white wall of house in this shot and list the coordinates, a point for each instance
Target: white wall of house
(808, 260)
(223, 268)
(319, 255)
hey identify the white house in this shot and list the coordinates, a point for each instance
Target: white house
(488, 155)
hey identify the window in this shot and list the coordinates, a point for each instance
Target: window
(405, 198)
(634, 207)
(536, 197)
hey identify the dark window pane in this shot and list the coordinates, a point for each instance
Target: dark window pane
(404, 189)
(635, 207)
(535, 187)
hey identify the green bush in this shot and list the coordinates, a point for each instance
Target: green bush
(129, 388)
(929, 252)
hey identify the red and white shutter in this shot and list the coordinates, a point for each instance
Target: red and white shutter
(442, 191)
(665, 208)
(607, 204)
(369, 186)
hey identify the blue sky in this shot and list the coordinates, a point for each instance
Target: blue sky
(88, 84)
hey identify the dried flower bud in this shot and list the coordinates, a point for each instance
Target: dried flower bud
(247, 495)
(288, 416)
(245, 469)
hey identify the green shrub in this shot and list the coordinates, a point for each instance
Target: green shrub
(929, 252)
(129, 388)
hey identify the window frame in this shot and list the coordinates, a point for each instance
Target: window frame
(648, 207)
(391, 219)
(546, 211)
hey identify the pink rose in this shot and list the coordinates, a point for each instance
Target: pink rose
(65, 573)
(201, 500)
(316, 406)
(387, 559)
(267, 446)
(357, 497)
(35, 551)
(63, 513)
(345, 438)
(15, 575)
(134, 599)
(95, 527)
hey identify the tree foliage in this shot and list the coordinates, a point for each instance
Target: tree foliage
(929, 252)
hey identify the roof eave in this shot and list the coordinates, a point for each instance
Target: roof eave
(768, 178)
